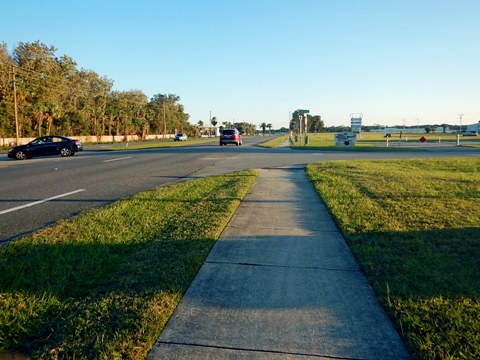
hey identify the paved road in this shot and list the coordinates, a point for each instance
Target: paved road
(95, 178)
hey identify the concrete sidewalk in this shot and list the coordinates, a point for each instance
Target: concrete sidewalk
(280, 283)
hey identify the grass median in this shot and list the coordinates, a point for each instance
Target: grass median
(154, 144)
(414, 226)
(275, 142)
(103, 285)
(372, 141)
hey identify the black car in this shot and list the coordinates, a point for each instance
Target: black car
(46, 145)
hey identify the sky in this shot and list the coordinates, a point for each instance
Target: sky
(396, 62)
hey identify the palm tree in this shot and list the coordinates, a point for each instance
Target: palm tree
(263, 126)
(214, 122)
(269, 126)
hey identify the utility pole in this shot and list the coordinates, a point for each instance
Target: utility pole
(460, 116)
(15, 104)
(164, 120)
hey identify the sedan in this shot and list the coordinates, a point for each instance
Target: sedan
(180, 137)
(46, 145)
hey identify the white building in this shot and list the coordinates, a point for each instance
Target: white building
(474, 127)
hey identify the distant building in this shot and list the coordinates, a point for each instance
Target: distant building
(474, 127)
(400, 130)
(209, 131)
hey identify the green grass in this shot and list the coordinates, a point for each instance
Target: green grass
(103, 285)
(158, 144)
(273, 143)
(376, 142)
(414, 226)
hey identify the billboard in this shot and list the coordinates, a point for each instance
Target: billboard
(356, 122)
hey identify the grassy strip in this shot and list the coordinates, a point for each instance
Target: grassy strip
(273, 143)
(103, 285)
(414, 227)
(363, 148)
(376, 142)
(158, 144)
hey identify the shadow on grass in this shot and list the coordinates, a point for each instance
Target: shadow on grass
(104, 284)
(56, 294)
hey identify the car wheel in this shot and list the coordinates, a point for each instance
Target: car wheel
(237, 143)
(65, 152)
(20, 155)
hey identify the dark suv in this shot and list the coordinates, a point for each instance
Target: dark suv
(230, 136)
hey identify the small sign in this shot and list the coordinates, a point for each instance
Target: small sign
(345, 139)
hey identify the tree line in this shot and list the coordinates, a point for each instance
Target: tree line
(51, 95)
(314, 122)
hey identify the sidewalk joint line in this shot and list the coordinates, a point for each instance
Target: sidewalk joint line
(279, 266)
(256, 350)
(281, 228)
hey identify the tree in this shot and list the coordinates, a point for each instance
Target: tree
(269, 126)
(245, 128)
(214, 123)
(38, 79)
(7, 120)
(168, 113)
(315, 124)
(91, 100)
(263, 126)
(55, 97)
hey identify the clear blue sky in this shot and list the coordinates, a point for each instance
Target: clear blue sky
(395, 61)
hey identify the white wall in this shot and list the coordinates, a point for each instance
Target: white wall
(89, 139)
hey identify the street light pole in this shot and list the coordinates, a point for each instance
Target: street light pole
(164, 120)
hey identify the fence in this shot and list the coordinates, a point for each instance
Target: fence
(90, 139)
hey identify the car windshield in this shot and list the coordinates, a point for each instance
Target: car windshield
(228, 132)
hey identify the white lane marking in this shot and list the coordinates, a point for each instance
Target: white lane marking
(118, 159)
(40, 201)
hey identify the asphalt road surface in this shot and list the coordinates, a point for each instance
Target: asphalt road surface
(38, 192)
